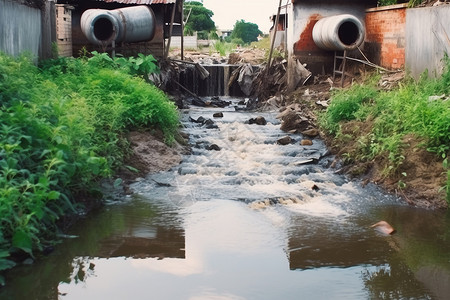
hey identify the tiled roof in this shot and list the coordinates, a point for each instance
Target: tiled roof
(145, 2)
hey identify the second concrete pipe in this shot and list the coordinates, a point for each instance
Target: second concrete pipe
(339, 32)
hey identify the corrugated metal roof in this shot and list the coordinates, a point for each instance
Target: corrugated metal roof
(144, 2)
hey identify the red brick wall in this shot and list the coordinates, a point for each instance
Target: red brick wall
(385, 36)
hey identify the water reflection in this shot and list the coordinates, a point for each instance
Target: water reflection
(200, 236)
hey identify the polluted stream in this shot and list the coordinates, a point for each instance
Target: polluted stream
(243, 217)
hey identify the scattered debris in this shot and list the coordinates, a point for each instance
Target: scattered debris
(441, 97)
(390, 81)
(383, 227)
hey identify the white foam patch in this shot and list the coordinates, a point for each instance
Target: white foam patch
(318, 207)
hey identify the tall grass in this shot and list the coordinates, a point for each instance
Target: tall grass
(223, 48)
(61, 130)
(395, 114)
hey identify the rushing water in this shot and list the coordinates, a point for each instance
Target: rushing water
(255, 220)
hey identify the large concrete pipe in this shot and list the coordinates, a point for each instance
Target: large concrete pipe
(129, 24)
(340, 32)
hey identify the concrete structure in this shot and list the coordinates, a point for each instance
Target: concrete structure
(280, 37)
(190, 42)
(302, 16)
(415, 39)
(385, 36)
(64, 29)
(162, 9)
(396, 37)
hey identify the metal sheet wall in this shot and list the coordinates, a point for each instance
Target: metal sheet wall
(427, 39)
(20, 28)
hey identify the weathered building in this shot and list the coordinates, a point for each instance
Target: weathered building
(167, 14)
(385, 35)
(303, 15)
(395, 36)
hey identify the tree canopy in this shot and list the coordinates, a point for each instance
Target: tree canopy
(247, 32)
(199, 18)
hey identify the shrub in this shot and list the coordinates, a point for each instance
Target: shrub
(61, 130)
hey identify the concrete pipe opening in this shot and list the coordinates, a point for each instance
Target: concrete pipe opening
(99, 26)
(129, 25)
(103, 29)
(340, 32)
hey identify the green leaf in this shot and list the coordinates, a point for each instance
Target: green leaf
(6, 264)
(132, 169)
(139, 61)
(23, 241)
(53, 195)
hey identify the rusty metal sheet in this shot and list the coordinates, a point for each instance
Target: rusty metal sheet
(142, 2)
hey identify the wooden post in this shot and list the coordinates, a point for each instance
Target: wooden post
(170, 30)
(273, 38)
(182, 30)
(343, 68)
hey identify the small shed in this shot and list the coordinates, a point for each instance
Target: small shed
(167, 14)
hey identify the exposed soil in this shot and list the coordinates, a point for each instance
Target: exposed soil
(150, 155)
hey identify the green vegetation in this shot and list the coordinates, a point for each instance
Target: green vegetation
(62, 129)
(411, 3)
(247, 32)
(223, 48)
(198, 20)
(265, 44)
(393, 115)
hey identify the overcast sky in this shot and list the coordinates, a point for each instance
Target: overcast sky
(227, 12)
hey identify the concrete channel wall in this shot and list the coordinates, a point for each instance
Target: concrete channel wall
(427, 39)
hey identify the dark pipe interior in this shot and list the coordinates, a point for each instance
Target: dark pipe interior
(348, 33)
(103, 29)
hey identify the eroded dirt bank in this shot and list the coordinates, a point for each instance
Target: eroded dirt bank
(420, 176)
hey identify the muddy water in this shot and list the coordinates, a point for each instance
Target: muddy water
(255, 220)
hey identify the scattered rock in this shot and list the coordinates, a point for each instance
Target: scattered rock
(198, 102)
(210, 124)
(215, 101)
(213, 147)
(207, 122)
(311, 132)
(306, 142)
(284, 140)
(162, 183)
(200, 120)
(218, 115)
(293, 120)
(258, 121)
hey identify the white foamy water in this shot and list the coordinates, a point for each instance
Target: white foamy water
(253, 168)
